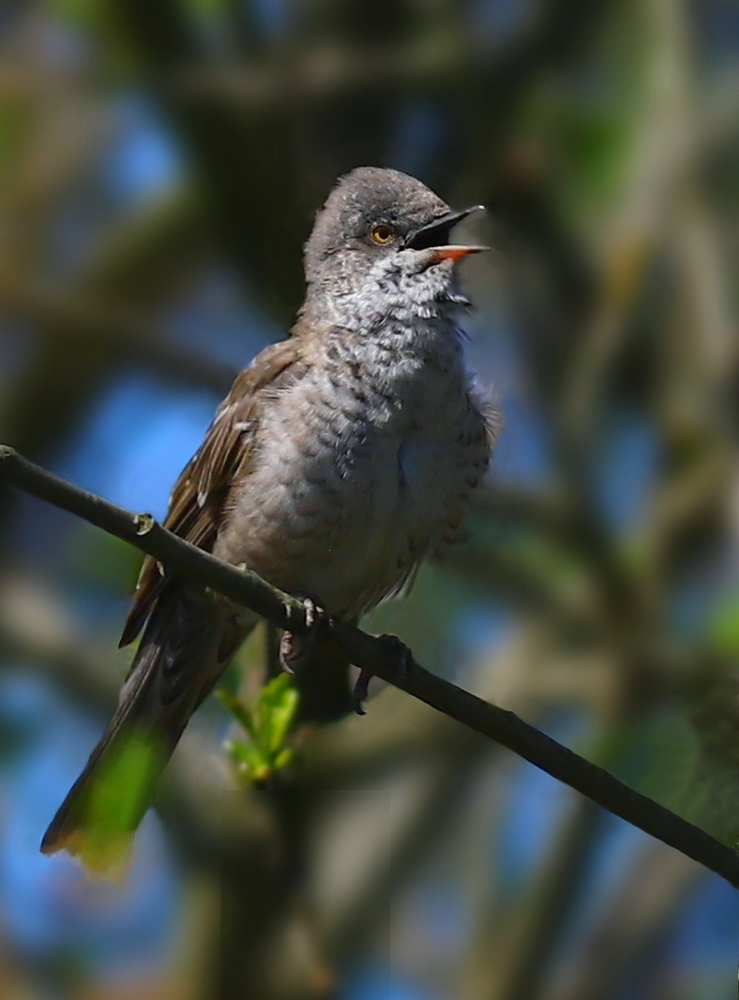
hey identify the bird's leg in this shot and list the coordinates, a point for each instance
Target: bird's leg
(295, 649)
(402, 658)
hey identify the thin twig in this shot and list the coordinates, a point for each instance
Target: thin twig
(244, 587)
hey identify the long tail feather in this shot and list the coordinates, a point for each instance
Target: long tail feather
(185, 648)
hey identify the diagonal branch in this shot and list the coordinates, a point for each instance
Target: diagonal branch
(369, 653)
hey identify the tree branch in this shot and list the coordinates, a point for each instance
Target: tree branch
(283, 610)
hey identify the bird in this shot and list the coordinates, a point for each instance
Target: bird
(340, 459)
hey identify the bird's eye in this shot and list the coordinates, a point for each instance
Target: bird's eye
(383, 234)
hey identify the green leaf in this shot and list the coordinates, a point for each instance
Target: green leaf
(239, 711)
(251, 762)
(280, 700)
(268, 725)
(284, 758)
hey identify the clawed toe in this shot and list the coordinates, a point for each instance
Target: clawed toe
(361, 690)
(295, 649)
(401, 657)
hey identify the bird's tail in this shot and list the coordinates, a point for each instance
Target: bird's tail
(185, 648)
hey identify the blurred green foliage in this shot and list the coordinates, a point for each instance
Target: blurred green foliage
(268, 723)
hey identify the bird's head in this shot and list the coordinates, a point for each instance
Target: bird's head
(381, 242)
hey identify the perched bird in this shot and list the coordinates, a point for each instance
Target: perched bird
(339, 459)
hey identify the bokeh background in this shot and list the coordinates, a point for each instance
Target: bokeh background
(160, 165)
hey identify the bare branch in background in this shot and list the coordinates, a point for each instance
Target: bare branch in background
(635, 915)
(131, 337)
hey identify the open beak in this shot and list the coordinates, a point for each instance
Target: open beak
(453, 252)
(434, 235)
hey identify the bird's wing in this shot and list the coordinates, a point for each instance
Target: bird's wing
(197, 501)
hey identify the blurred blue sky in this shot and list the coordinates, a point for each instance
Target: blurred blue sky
(47, 907)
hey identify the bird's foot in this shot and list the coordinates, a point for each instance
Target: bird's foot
(295, 649)
(402, 658)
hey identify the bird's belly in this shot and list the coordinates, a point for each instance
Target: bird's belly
(344, 524)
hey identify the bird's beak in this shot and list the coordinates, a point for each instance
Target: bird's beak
(431, 237)
(453, 252)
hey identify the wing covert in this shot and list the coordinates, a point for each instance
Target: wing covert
(199, 495)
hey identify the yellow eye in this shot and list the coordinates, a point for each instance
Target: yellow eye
(383, 234)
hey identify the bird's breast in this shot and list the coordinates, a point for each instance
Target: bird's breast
(350, 482)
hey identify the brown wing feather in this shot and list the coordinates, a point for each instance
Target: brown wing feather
(198, 498)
